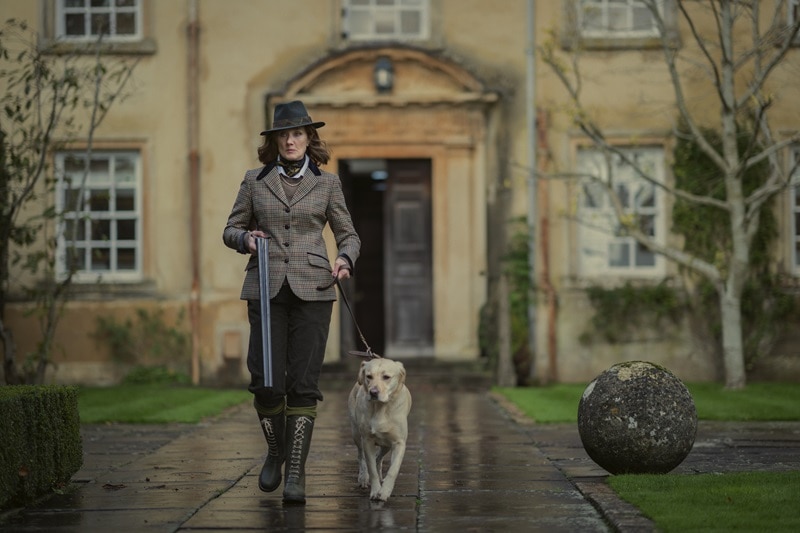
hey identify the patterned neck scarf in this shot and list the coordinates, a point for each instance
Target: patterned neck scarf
(291, 168)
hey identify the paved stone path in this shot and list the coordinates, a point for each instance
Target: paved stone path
(471, 465)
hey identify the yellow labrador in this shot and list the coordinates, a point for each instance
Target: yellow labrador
(379, 405)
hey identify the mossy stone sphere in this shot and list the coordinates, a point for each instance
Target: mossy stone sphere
(637, 418)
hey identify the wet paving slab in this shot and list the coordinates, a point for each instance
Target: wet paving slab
(470, 465)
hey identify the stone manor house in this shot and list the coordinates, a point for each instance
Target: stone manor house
(435, 112)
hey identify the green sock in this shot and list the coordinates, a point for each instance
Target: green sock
(309, 411)
(269, 411)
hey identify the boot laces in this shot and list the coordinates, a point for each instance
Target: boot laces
(269, 432)
(296, 451)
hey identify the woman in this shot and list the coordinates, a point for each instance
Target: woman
(288, 201)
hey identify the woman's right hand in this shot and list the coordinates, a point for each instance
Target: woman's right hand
(251, 240)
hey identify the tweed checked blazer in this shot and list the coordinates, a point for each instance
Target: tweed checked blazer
(297, 250)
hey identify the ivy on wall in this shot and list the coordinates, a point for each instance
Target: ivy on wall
(157, 351)
(515, 268)
(621, 313)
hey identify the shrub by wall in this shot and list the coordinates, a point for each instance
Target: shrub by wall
(40, 441)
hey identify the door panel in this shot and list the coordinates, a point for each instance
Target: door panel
(408, 252)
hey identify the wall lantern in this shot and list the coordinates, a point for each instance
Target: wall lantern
(383, 75)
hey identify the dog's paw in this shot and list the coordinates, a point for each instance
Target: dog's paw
(375, 494)
(377, 497)
(383, 494)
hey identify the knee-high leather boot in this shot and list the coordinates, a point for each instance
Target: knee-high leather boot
(274, 428)
(298, 441)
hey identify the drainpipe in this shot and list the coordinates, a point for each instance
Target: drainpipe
(532, 196)
(547, 283)
(193, 47)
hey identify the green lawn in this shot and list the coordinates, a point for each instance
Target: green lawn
(747, 501)
(154, 404)
(757, 401)
(756, 501)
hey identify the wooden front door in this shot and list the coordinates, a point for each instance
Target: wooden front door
(407, 249)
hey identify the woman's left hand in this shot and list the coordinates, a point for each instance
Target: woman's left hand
(341, 269)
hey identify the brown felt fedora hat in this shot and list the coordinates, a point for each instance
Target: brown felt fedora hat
(291, 115)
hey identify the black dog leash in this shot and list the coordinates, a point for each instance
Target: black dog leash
(368, 354)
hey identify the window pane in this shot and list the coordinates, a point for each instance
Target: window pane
(618, 254)
(644, 257)
(71, 198)
(101, 259)
(642, 19)
(124, 169)
(360, 22)
(74, 24)
(77, 256)
(646, 195)
(74, 164)
(647, 224)
(617, 18)
(125, 200)
(126, 3)
(410, 22)
(624, 194)
(98, 171)
(70, 226)
(592, 18)
(593, 195)
(359, 2)
(384, 23)
(384, 2)
(797, 253)
(126, 230)
(126, 259)
(101, 230)
(98, 200)
(101, 3)
(126, 24)
(101, 24)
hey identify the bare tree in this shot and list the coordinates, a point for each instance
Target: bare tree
(737, 73)
(49, 100)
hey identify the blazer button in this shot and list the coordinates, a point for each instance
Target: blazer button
(286, 260)
(286, 244)
(287, 210)
(286, 226)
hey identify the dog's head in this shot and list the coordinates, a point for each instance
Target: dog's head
(381, 378)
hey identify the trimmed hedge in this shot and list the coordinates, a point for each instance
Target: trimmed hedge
(40, 441)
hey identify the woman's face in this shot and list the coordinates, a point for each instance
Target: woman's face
(292, 143)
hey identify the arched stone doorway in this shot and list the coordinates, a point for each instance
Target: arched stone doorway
(420, 283)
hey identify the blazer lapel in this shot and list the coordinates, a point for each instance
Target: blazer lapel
(308, 182)
(273, 182)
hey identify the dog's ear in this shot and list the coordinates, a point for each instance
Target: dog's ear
(401, 375)
(362, 373)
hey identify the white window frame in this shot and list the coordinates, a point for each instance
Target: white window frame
(112, 10)
(375, 10)
(100, 182)
(599, 231)
(794, 208)
(605, 8)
